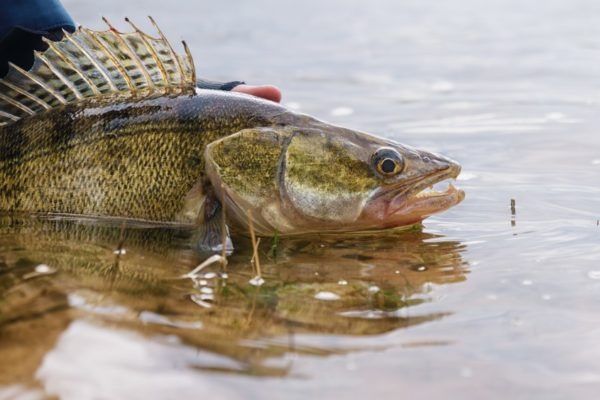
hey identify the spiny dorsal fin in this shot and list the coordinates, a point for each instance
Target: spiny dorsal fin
(91, 63)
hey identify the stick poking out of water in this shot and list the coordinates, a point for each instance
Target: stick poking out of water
(223, 234)
(513, 212)
(257, 280)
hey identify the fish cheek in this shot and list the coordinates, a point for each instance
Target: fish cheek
(326, 181)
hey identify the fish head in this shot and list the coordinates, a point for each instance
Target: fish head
(320, 178)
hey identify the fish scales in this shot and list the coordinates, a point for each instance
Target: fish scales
(129, 158)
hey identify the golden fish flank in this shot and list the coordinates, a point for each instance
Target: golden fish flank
(110, 124)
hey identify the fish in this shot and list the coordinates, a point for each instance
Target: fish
(110, 125)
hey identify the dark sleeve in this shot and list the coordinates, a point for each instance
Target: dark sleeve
(23, 23)
(227, 86)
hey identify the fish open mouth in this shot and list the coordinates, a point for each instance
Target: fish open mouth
(431, 195)
(440, 194)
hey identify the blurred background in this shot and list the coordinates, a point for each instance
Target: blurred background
(478, 304)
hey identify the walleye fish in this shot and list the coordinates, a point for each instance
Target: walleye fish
(110, 125)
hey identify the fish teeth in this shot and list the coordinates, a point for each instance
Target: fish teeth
(439, 188)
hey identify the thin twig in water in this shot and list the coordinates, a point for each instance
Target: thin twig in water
(253, 253)
(255, 258)
(223, 234)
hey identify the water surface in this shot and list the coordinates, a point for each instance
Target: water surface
(476, 304)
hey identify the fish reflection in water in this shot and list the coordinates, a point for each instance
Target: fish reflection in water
(323, 285)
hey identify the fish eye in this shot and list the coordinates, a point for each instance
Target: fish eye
(387, 162)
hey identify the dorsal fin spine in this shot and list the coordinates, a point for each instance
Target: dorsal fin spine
(132, 53)
(92, 60)
(100, 42)
(191, 61)
(37, 81)
(155, 56)
(17, 104)
(8, 115)
(88, 64)
(59, 75)
(66, 59)
(26, 94)
(173, 55)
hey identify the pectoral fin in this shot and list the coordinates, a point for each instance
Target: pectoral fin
(203, 210)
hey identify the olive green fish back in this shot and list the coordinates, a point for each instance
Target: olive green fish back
(95, 63)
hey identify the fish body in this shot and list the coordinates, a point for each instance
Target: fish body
(135, 159)
(130, 138)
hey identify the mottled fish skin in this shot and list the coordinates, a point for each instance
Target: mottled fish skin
(119, 157)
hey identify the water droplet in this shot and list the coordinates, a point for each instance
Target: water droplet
(342, 282)
(327, 296)
(44, 269)
(256, 281)
(374, 289)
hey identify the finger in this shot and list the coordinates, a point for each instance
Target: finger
(268, 92)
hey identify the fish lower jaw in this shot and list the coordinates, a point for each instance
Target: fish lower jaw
(423, 202)
(432, 200)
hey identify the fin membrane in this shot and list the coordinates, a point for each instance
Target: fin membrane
(95, 63)
(213, 234)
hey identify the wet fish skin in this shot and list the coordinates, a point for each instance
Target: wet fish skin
(121, 132)
(119, 157)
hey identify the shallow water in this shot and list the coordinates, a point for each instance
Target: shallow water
(475, 305)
